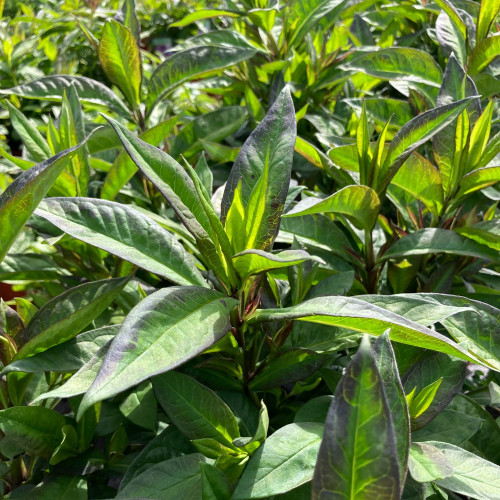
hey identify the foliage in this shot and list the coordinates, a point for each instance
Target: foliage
(253, 255)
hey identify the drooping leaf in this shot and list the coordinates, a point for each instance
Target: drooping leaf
(266, 153)
(360, 203)
(140, 406)
(191, 63)
(66, 315)
(195, 409)
(51, 88)
(285, 460)
(358, 457)
(120, 58)
(164, 330)
(428, 463)
(354, 314)
(202, 14)
(21, 197)
(122, 231)
(33, 429)
(28, 267)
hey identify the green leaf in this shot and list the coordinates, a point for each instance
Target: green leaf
(450, 38)
(128, 17)
(32, 429)
(428, 189)
(424, 399)
(436, 240)
(472, 476)
(158, 335)
(397, 63)
(195, 409)
(202, 14)
(484, 53)
(478, 179)
(140, 406)
(251, 262)
(192, 63)
(396, 401)
(359, 203)
(125, 232)
(437, 378)
(454, 15)
(81, 381)
(179, 477)
(179, 190)
(414, 134)
(29, 266)
(72, 132)
(59, 486)
(21, 197)
(358, 456)
(51, 88)
(123, 168)
(427, 463)
(214, 483)
(487, 14)
(33, 140)
(68, 356)
(357, 315)
(290, 367)
(121, 61)
(209, 127)
(285, 460)
(306, 15)
(266, 155)
(66, 315)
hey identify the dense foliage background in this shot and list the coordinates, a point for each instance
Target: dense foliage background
(250, 249)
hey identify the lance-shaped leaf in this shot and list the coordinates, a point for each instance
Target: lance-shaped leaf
(29, 266)
(192, 63)
(180, 191)
(251, 262)
(484, 53)
(397, 63)
(81, 381)
(355, 314)
(263, 167)
(202, 14)
(67, 357)
(414, 134)
(305, 15)
(51, 88)
(33, 429)
(163, 331)
(31, 137)
(21, 197)
(285, 460)
(123, 168)
(66, 315)
(487, 13)
(128, 17)
(120, 58)
(195, 409)
(436, 240)
(396, 400)
(358, 458)
(360, 203)
(478, 179)
(125, 232)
